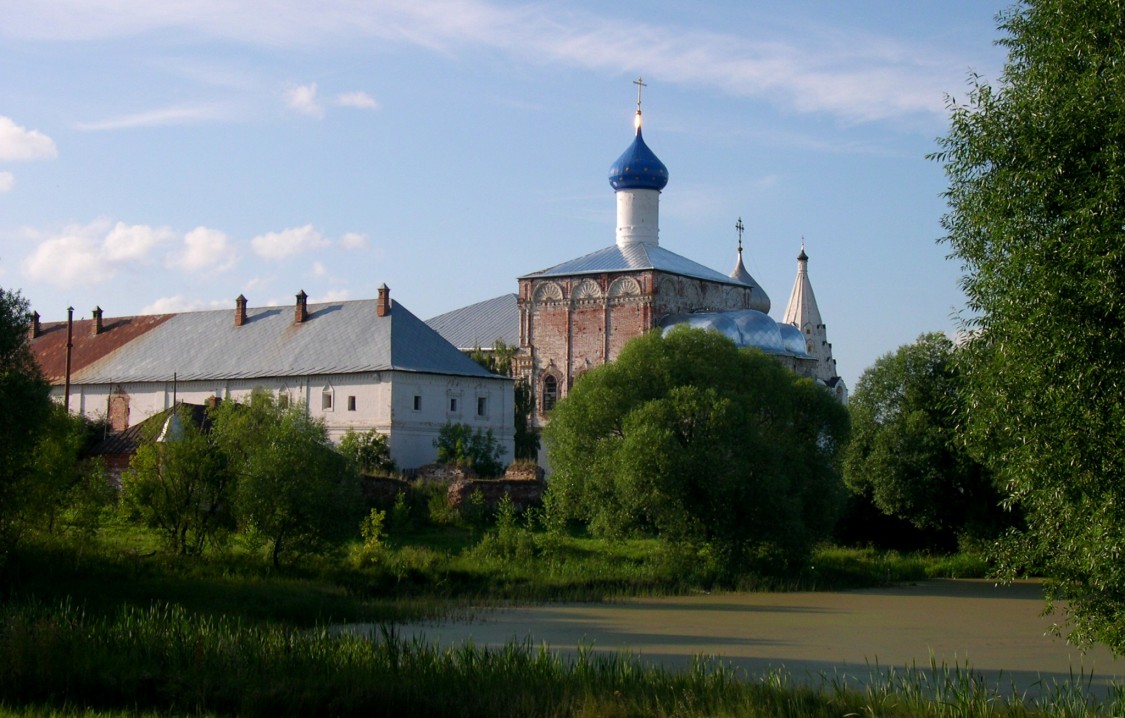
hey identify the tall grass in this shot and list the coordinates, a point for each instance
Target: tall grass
(163, 659)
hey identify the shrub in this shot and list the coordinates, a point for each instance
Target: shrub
(368, 451)
(460, 445)
(373, 550)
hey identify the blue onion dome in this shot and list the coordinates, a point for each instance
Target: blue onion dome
(638, 168)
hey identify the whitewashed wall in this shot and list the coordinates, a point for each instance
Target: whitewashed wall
(384, 401)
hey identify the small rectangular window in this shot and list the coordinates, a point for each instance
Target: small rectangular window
(326, 401)
(283, 400)
(417, 403)
(452, 405)
(351, 403)
(482, 406)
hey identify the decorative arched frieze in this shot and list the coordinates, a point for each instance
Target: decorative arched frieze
(586, 290)
(692, 296)
(624, 287)
(548, 292)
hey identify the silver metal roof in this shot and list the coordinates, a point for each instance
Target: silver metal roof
(746, 328)
(336, 338)
(758, 298)
(481, 324)
(631, 258)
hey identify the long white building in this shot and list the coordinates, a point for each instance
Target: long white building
(360, 365)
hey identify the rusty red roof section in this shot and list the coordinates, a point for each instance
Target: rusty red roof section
(49, 347)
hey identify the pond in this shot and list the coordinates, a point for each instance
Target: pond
(997, 631)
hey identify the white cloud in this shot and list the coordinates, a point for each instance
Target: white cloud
(845, 71)
(180, 303)
(74, 257)
(204, 248)
(256, 283)
(90, 254)
(360, 100)
(126, 243)
(303, 99)
(354, 240)
(20, 144)
(286, 243)
(178, 115)
(7, 181)
(334, 295)
(319, 270)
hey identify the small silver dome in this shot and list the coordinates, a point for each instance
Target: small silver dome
(746, 328)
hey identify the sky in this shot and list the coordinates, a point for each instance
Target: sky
(169, 156)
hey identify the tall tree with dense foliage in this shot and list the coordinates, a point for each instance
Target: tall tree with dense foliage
(24, 407)
(62, 492)
(707, 445)
(499, 360)
(1036, 169)
(178, 484)
(294, 490)
(906, 453)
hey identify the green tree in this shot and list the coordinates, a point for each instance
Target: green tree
(477, 450)
(24, 409)
(178, 483)
(63, 492)
(526, 438)
(688, 437)
(499, 360)
(294, 490)
(369, 451)
(1036, 169)
(906, 453)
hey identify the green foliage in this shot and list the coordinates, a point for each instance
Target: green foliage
(906, 453)
(293, 488)
(478, 450)
(373, 549)
(58, 494)
(25, 398)
(508, 540)
(369, 451)
(1036, 169)
(526, 433)
(474, 510)
(180, 485)
(702, 443)
(498, 360)
(402, 515)
(438, 510)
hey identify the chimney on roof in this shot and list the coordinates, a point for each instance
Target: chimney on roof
(36, 328)
(302, 310)
(383, 308)
(97, 327)
(240, 311)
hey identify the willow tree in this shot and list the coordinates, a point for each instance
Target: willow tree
(1036, 169)
(709, 446)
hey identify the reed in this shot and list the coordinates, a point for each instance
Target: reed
(163, 659)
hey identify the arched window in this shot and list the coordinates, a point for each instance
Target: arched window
(550, 392)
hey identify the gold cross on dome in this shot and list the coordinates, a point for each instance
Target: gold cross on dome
(739, 226)
(640, 83)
